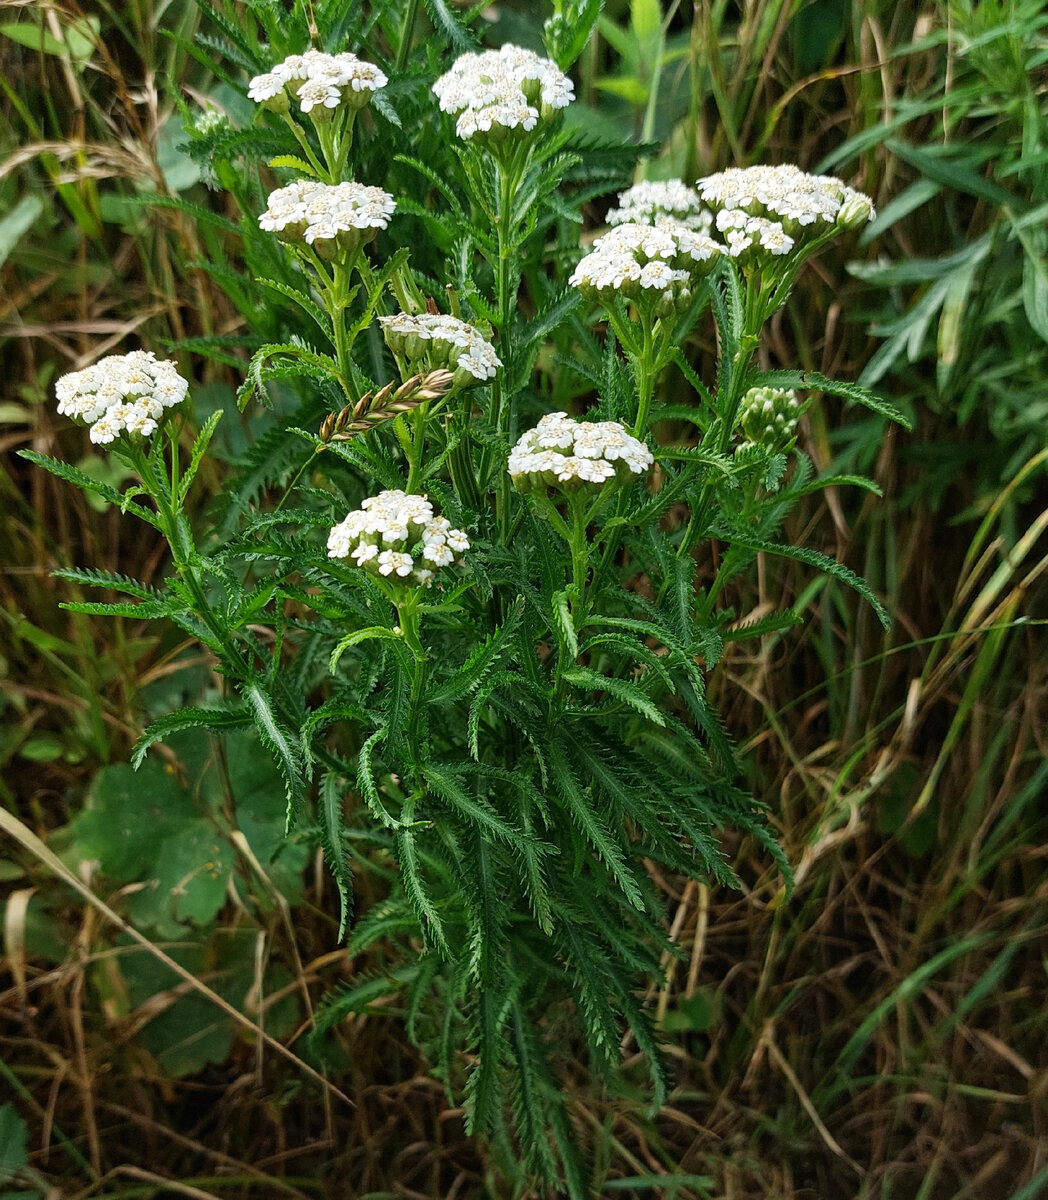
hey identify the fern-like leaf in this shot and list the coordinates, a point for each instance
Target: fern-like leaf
(218, 720)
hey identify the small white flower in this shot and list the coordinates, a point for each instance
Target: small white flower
(392, 532)
(787, 196)
(390, 561)
(318, 93)
(318, 80)
(594, 448)
(438, 552)
(644, 260)
(121, 393)
(504, 89)
(654, 202)
(265, 87)
(443, 341)
(318, 212)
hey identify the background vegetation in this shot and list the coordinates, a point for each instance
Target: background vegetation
(882, 1032)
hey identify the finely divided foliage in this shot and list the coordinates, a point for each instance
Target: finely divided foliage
(510, 690)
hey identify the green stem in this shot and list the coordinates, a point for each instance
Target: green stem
(307, 149)
(509, 174)
(419, 421)
(579, 558)
(175, 464)
(645, 369)
(291, 486)
(740, 365)
(460, 462)
(407, 611)
(345, 143)
(406, 32)
(337, 298)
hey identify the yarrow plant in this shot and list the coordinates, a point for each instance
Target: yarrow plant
(511, 696)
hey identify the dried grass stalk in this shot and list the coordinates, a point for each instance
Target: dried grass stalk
(388, 402)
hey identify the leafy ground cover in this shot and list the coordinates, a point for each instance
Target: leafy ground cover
(880, 1032)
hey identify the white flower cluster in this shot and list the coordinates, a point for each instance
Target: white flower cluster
(123, 393)
(787, 196)
(396, 535)
(769, 417)
(346, 214)
(497, 91)
(660, 202)
(442, 341)
(566, 454)
(319, 82)
(657, 262)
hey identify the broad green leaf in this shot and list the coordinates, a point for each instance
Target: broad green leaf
(77, 39)
(18, 222)
(14, 1140)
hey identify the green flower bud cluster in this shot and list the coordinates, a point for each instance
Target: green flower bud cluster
(769, 417)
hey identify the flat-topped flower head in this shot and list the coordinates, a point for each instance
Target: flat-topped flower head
(769, 417)
(121, 394)
(803, 205)
(498, 92)
(332, 218)
(396, 535)
(567, 455)
(433, 341)
(656, 264)
(657, 202)
(319, 82)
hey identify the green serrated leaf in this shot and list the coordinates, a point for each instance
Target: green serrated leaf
(564, 626)
(279, 741)
(295, 163)
(373, 632)
(216, 719)
(621, 689)
(203, 440)
(333, 831)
